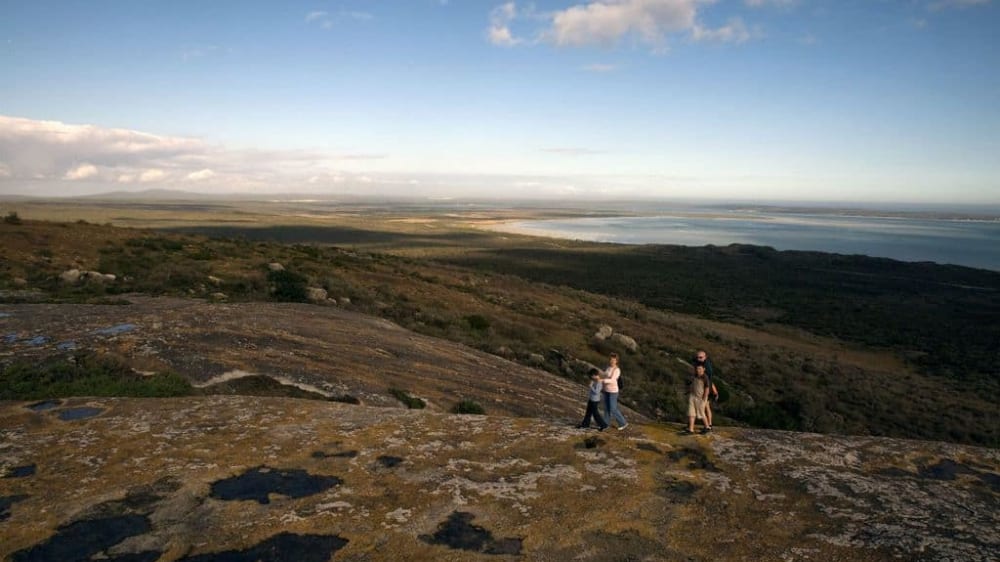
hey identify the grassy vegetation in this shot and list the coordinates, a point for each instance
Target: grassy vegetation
(85, 375)
(925, 363)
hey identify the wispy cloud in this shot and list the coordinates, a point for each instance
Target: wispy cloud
(937, 5)
(499, 32)
(600, 67)
(326, 20)
(770, 3)
(318, 15)
(807, 39)
(573, 151)
(199, 52)
(735, 31)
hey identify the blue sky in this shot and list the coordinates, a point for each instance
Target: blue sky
(858, 101)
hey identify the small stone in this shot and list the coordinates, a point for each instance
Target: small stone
(316, 294)
(275, 266)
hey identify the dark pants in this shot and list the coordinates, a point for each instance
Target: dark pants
(592, 411)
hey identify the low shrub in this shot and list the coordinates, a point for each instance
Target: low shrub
(410, 402)
(468, 407)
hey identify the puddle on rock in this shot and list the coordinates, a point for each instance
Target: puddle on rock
(81, 413)
(81, 540)
(116, 330)
(678, 491)
(258, 483)
(648, 447)
(459, 533)
(21, 471)
(284, 546)
(388, 461)
(45, 405)
(698, 459)
(66, 346)
(37, 340)
(6, 502)
(10, 338)
(343, 455)
(591, 442)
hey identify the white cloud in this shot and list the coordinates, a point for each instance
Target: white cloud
(83, 171)
(203, 174)
(607, 21)
(499, 31)
(55, 153)
(152, 175)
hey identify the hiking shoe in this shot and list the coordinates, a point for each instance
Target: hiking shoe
(686, 431)
(622, 427)
(602, 428)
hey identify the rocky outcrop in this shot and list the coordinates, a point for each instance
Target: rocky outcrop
(233, 478)
(73, 276)
(335, 351)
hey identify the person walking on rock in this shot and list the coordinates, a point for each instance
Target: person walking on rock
(701, 358)
(593, 402)
(610, 381)
(697, 397)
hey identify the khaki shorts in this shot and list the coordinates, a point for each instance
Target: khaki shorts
(696, 407)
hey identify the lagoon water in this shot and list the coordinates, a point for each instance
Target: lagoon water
(972, 243)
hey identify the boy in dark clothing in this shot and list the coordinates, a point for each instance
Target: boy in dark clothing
(593, 401)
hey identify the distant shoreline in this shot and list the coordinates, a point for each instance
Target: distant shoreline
(910, 238)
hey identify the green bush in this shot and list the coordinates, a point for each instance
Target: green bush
(287, 286)
(410, 402)
(468, 407)
(12, 218)
(478, 322)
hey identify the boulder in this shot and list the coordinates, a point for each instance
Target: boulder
(70, 276)
(343, 301)
(626, 342)
(275, 266)
(214, 280)
(536, 358)
(581, 367)
(219, 296)
(604, 332)
(20, 282)
(316, 294)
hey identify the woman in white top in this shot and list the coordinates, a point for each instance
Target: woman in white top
(610, 380)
